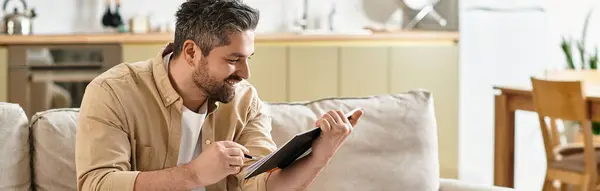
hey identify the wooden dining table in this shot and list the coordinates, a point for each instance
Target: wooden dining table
(509, 99)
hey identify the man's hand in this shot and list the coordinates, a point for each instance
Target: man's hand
(218, 161)
(335, 128)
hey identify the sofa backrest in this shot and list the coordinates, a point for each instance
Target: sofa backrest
(53, 144)
(15, 169)
(393, 147)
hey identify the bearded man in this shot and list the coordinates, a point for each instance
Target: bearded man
(184, 119)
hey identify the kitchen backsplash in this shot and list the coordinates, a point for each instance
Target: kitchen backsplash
(83, 16)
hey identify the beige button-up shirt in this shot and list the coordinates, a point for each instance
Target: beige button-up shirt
(130, 121)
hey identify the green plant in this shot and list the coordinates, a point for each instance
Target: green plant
(566, 47)
(595, 128)
(585, 63)
(591, 62)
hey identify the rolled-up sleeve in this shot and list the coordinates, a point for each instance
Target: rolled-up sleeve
(256, 136)
(103, 149)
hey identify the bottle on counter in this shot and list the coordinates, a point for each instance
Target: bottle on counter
(119, 24)
(107, 17)
(112, 21)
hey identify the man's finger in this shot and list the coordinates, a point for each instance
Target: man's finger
(355, 116)
(234, 151)
(235, 170)
(325, 125)
(329, 119)
(229, 144)
(343, 117)
(236, 161)
(336, 116)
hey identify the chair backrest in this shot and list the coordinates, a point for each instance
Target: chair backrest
(564, 100)
(559, 99)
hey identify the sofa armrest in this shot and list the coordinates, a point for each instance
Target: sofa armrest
(457, 185)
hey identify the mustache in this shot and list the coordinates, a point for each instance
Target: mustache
(234, 77)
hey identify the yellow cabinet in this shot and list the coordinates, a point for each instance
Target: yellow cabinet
(433, 68)
(313, 72)
(268, 72)
(3, 74)
(364, 71)
(140, 52)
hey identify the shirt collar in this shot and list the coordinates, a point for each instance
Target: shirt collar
(163, 83)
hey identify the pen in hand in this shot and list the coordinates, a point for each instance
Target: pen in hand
(249, 157)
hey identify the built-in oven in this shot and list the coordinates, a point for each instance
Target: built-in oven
(43, 77)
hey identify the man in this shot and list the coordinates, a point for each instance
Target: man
(184, 119)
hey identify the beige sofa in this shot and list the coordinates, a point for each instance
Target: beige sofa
(394, 146)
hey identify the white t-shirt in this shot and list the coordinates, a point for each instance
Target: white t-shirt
(191, 131)
(191, 139)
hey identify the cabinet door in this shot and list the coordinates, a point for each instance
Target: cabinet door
(140, 52)
(268, 72)
(3, 74)
(433, 68)
(364, 71)
(313, 72)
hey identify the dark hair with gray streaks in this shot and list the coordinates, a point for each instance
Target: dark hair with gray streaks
(209, 22)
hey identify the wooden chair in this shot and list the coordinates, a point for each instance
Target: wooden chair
(565, 100)
(589, 78)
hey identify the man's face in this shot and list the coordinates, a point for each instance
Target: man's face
(225, 66)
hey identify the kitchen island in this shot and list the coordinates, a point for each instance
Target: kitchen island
(289, 67)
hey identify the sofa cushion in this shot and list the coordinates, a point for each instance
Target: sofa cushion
(393, 146)
(15, 169)
(53, 134)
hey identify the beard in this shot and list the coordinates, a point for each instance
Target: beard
(215, 89)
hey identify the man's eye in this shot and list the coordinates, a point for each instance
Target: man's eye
(233, 60)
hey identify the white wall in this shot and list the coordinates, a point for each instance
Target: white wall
(67, 16)
(506, 48)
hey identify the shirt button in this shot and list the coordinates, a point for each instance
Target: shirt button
(207, 142)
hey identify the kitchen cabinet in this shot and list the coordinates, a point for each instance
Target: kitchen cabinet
(268, 72)
(434, 68)
(140, 52)
(313, 72)
(3, 74)
(364, 70)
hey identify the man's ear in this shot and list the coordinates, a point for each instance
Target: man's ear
(191, 52)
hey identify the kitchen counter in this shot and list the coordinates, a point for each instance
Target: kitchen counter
(153, 38)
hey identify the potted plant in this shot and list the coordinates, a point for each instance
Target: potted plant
(588, 59)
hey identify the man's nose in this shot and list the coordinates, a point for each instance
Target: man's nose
(244, 70)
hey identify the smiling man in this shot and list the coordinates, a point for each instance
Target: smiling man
(184, 119)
